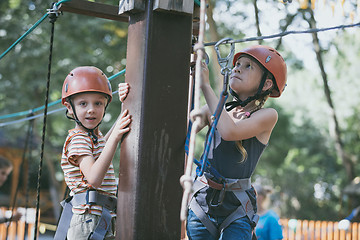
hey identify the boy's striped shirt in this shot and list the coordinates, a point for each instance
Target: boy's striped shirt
(78, 143)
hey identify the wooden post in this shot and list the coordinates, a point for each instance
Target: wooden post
(152, 155)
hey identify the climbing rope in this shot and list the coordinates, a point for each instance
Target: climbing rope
(24, 159)
(53, 14)
(186, 179)
(226, 64)
(54, 10)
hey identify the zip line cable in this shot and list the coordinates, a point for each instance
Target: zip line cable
(36, 116)
(205, 44)
(312, 30)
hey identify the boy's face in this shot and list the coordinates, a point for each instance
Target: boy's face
(89, 107)
(246, 76)
(4, 173)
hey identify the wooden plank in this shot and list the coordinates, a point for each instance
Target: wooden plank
(93, 9)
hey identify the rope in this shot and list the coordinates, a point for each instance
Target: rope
(186, 179)
(52, 21)
(36, 116)
(312, 30)
(26, 147)
(29, 157)
(42, 107)
(30, 29)
(27, 112)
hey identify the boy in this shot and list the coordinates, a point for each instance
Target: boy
(87, 157)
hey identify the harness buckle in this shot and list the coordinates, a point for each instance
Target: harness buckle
(221, 196)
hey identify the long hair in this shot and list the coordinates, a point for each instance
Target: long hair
(238, 144)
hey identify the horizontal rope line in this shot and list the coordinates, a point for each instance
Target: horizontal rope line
(30, 111)
(313, 30)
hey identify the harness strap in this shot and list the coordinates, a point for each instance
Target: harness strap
(247, 205)
(238, 187)
(199, 212)
(89, 197)
(64, 221)
(102, 227)
(231, 184)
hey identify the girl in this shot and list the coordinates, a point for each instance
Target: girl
(226, 209)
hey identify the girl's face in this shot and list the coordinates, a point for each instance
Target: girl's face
(245, 77)
(90, 108)
(4, 173)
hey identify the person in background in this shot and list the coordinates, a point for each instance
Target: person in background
(5, 169)
(268, 227)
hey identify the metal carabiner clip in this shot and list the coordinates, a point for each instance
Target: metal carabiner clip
(226, 62)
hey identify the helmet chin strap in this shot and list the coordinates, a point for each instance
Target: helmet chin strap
(238, 102)
(76, 119)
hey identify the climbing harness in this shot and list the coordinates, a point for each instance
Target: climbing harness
(91, 197)
(238, 187)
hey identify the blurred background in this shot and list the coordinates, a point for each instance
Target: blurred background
(312, 162)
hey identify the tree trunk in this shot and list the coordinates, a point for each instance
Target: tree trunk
(334, 127)
(214, 37)
(256, 9)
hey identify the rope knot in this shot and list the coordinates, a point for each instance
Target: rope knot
(53, 12)
(186, 181)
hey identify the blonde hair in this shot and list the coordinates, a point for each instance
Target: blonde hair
(238, 144)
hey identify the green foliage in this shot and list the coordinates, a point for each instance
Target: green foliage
(78, 40)
(300, 161)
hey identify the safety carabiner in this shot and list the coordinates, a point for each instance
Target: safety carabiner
(225, 62)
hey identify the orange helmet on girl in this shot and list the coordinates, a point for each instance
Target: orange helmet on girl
(86, 79)
(272, 61)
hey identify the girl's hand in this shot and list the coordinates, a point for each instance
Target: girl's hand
(122, 125)
(123, 91)
(204, 74)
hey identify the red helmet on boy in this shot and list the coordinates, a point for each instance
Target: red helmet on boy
(86, 79)
(270, 59)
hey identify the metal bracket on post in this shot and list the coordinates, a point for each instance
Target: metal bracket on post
(126, 6)
(183, 6)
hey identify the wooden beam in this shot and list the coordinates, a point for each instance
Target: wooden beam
(94, 9)
(152, 154)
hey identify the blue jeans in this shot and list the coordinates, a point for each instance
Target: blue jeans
(240, 229)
